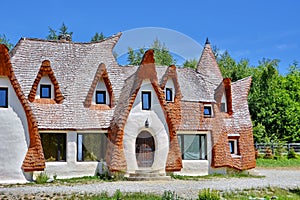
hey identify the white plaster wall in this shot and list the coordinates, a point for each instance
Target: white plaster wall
(14, 138)
(170, 84)
(71, 168)
(45, 80)
(194, 167)
(157, 127)
(101, 87)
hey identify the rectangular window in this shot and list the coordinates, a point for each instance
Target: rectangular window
(100, 97)
(45, 91)
(169, 95)
(223, 107)
(91, 146)
(146, 100)
(54, 146)
(207, 111)
(4, 97)
(233, 146)
(193, 146)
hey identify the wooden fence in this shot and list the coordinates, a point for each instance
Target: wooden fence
(261, 147)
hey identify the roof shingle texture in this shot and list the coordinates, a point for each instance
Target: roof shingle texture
(75, 66)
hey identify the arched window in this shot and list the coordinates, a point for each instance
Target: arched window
(169, 94)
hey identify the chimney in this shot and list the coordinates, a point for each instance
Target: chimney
(65, 38)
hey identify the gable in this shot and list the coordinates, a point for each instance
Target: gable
(100, 82)
(45, 75)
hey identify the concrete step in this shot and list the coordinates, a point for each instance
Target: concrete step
(148, 175)
(161, 178)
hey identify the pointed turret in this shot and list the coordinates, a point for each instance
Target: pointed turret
(208, 65)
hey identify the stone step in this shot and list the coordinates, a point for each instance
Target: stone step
(148, 175)
(161, 178)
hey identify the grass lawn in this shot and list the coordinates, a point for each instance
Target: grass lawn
(281, 163)
(255, 193)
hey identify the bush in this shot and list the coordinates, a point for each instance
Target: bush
(169, 195)
(42, 178)
(207, 194)
(292, 154)
(118, 195)
(279, 151)
(268, 153)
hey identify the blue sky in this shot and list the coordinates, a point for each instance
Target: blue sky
(253, 29)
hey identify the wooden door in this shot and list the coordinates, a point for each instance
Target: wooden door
(145, 149)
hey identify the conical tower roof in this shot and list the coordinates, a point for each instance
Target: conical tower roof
(208, 66)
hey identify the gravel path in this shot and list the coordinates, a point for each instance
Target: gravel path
(279, 178)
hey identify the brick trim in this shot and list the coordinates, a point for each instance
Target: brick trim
(115, 155)
(45, 69)
(34, 159)
(101, 73)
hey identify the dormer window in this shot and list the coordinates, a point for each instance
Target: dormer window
(169, 94)
(45, 91)
(100, 97)
(146, 100)
(208, 111)
(3, 97)
(223, 104)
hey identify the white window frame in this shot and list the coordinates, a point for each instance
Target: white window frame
(223, 101)
(211, 110)
(79, 144)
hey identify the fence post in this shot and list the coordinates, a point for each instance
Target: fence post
(289, 147)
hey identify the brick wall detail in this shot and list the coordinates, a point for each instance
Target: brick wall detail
(34, 159)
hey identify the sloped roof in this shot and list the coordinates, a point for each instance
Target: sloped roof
(208, 66)
(74, 66)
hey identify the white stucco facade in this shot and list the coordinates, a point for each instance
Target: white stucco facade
(14, 137)
(71, 167)
(158, 128)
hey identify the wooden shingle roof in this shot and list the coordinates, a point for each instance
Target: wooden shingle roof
(75, 66)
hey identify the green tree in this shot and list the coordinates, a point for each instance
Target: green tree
(98, 37)
(274, 99)
(4, 40)
(162, 55)
(62, 31)
(192, 63)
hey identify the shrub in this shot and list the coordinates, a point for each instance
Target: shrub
(292, 154)
(118, 195)
(42, 178)
(279, 151)
(207, 194)
(268, 153)
(169, 195)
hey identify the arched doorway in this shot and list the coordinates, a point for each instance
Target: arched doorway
(144, 149)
